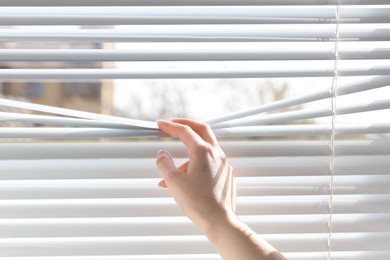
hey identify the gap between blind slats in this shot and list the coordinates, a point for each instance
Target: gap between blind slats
(63, 121)
(132, 124)
(203, 33)
(117, 122)
(305, 114)
(373, 83)
(258, 120)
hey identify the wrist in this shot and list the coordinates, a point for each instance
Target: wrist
(233, 239)
(215, 226)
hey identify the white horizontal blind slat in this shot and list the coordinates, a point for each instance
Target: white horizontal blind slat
(209, 33)
(73, 227)
(144, 150)
(144, 168)
(163, 244)
(125, 257)
(142, 188)
(304, 71)
(357, 255)
(181, 2)
(245, 52)
(134, 207)
(242, 131)
(194, 15)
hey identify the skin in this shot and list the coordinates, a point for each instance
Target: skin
(205, 190)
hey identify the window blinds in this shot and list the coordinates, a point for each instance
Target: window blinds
(315, 189)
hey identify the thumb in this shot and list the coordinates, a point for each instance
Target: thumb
(166, 167)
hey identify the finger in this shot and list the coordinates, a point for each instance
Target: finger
(182, 168)
(167, 168)
(202, 129)
(183, 132)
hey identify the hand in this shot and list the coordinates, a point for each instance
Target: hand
(205, 190)
(203, 187)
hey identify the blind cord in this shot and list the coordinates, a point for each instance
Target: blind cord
(332, 137)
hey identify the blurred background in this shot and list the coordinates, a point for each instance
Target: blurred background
(143, 99)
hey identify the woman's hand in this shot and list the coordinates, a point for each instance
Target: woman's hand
(205, 190)
(203, 187)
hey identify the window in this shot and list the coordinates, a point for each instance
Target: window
(313, 180)
(34, 89)
(82, 89)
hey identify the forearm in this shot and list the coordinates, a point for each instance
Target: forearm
(235, 240)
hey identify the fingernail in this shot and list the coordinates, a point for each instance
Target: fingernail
(162, 121)
(160, 153)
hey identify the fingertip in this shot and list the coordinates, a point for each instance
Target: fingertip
(165, 163)
(161, 123)
(179, 130)
(160, 153)
(163, 154)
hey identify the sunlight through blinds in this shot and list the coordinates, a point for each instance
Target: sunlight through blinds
(312, 168)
